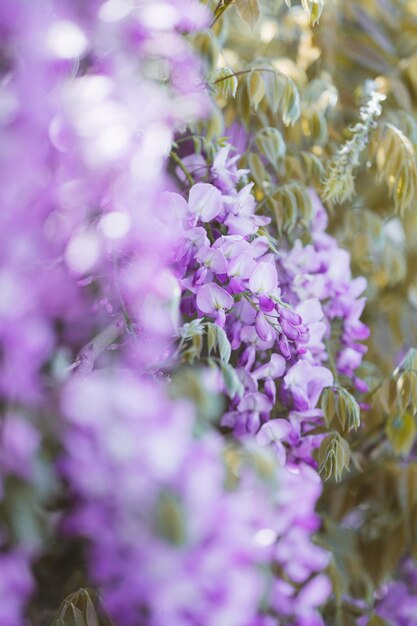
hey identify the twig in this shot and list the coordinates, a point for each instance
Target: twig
(174, 156)
(86, 357)
(220, 9)
(252, 69)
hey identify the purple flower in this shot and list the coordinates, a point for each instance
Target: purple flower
(205, 201)
(18, 442)
(214, 301)
(263, 327)
(16, 586)
(274, 369)
(264, 279)
(315, 592)
(154, 537)
(306, 382)
(271, 434)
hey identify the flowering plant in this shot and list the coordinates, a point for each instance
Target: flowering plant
(195, 212)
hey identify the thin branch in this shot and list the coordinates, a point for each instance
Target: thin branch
(220, 9)
(86, 357)
(174, 156)
(332, 362)
(252, 69)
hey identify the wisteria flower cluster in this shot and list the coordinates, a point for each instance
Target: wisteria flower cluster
(161, 527)
(276, 306)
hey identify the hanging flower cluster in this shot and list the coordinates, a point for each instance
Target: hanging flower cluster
(276, 306)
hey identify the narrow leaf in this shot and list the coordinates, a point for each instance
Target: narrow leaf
(249, 11)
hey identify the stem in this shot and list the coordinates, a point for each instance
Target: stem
(332, 362)
(86, 357)
(174, 156)
(276, 327)
(219, 10)
(252, 69)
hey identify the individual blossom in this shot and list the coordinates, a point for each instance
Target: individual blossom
(214, 300)
(306, 382)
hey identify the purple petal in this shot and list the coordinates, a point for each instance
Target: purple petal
(315, 592)
(290, 316)
(266, 304)
(274, 369)
(211, 298)
(205, 201)
(272, 431)
(264, 279)
(289, 330)
(263, 329)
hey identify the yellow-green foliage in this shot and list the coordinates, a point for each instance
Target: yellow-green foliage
(328, 90)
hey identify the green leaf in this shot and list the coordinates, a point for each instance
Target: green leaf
(257, 169)
(256, 88)
(338, 402)
(401, 431)
(217, 339)
(290, 103)
(289, 201)
(211, 337)
(191, 340)
(314, 9)
(215, 125)
(169, 518)
(226, 82)
(396, 162)
(407, 392)
(225, 349)
(249, 11)
(334, 456)
(190, 329)
(233, 385)
(271, 144)
(409, 362)
(317, 128)
(328, 405)
(207, 46)
(273, 89)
